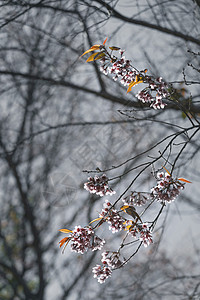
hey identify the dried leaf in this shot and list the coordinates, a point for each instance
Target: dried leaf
(105, 41)
(91, 57)
(63, 241)
(130, 86)
(184, 180)
(99, 55)
(98, 219)
(101, 222)
(166, 170)
(114, 48)
(65, 245)
(95, 56)
(65, 230)
(95, 47)
(138, 79)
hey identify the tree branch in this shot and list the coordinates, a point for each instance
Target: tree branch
(174, 33)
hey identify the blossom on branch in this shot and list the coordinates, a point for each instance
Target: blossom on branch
(97, 243)
(101, 273)
(112, 216)
(99, 185)
(145, 235)
(157, 87)
(121, 68)
(167, 188)
(82, 239)
(140, 231)
(110, 260)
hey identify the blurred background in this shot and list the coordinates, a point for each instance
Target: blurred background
(60, 116)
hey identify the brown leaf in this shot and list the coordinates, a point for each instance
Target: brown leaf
(91, 57)
(166, 171)
(105, 41)
(63, 241)
(65, 230)
(95, 47)
(138, 79)
(95, 220)
(99, 55)
(184, 180)
(96, 56)
(114, 48)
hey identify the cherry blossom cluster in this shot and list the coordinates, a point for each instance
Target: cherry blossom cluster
(145, 235)
(101, 273)
(81, 240)
(141, 232)
(112, 217)
(157, 87)
(98, 185)
(110, 260)
(167, 188)
(97, 243)
(122, 70)
(135, 198)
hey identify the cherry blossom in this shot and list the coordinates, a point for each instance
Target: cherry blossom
(122, 70)
(101, 273)
(141, 232)
(82, 239)
(98, 185)
(112, 217)
(167, 188)
(110, 261)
